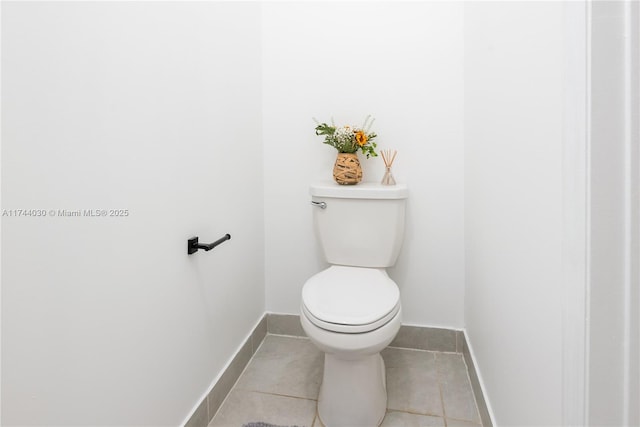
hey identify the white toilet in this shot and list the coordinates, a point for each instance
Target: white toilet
(351, 310)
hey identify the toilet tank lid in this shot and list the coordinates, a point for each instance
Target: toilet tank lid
(364, 190)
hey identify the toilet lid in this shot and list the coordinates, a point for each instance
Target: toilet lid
(339, 297)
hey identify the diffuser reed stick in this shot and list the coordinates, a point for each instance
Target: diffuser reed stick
(388, 156)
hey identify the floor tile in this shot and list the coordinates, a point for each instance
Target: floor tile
(461, 423)
(222, 388)
(451, 368)
(286, 366)
(405, 419)
(285, 324)
(242, 407)
(459, 403)
(412, 390)
(410, 337)
(485, 418)
(402, 357)
(457, 395)
(281, 382)
(412, 381)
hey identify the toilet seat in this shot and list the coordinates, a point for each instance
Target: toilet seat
(351, 329)
(350, 299)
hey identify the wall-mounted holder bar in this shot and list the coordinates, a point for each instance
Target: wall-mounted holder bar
(193, 245)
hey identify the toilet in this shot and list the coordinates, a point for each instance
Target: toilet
(351, 310)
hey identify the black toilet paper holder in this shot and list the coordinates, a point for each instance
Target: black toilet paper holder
(193, 245)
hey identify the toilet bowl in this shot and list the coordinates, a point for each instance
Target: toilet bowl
(351, 314)
(351, 310)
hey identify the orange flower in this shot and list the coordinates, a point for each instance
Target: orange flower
(361, 138)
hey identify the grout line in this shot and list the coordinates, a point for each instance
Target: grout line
(409, 411)
(278, 394)
(467, 421)
(439, 377)
(444, 413)
(423, 351)
(287, 336)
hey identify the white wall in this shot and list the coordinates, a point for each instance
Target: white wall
(402, 63)
(150, 107)
(513, 205)
(163, 108)
(607, 227)
(613, 227)
(633, 321)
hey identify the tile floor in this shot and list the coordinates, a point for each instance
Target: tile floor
(281, 382)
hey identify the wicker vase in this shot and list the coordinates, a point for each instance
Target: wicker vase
(347, 170)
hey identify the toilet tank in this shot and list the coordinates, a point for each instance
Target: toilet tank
(360, 225)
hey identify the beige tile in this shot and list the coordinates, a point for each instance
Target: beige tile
(242, 407)
(421, 338)
(477, 390)
(278, 346)
(258, 334)
(412, 381)
(451, 368)
(457, 395)
(460, 341)
(226, 381)
(282, 380)
(285, 365)
(461, 423)
(318, 422)
(410, 337)
(459, 403)
(408, 358)
(441, 339)
(412, 390)
(405, 419)
(200, 417)
(285, 324)
(228, 378)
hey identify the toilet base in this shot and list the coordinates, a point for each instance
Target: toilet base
(353, 392)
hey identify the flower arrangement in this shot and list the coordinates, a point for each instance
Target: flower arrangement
(349, 139)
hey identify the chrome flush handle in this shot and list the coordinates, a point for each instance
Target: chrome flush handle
(321, 205)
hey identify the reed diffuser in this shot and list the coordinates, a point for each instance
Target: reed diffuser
(388, 156)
